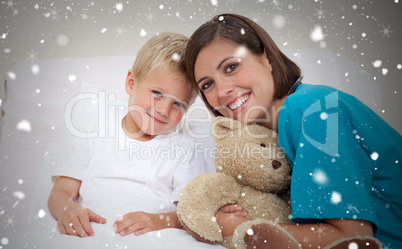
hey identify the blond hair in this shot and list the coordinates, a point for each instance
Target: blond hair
(164, 51)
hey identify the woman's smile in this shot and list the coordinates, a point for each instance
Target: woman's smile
(239, 102)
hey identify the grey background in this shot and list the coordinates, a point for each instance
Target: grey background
(364, 31)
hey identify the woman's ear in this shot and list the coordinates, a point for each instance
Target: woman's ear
(130, 80)
(267, 61)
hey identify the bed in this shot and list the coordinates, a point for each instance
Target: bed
(34, 110)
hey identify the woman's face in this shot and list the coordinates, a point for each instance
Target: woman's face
(236, 82)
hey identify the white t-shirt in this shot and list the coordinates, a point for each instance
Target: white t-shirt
(121, 175)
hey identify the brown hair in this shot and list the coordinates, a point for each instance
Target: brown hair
(243, 31)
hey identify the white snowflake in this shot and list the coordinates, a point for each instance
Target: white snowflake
(231, 2)
(374, 156)
(32, 55)
(353, 245)
(256, 17)
(299, 56)
(352, 208)
(150, 16)
(4, 241)
(386, 31)
(119, 7)
(276, 3)
(24, 125)
(53, 13)
(279, 21)
(320, 177)
(120, 32)
(320, 13)
(317, 34)
(319, 230)
(336, 197)
(10, 4)
(9, 221)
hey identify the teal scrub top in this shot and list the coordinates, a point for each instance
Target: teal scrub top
(346, 161)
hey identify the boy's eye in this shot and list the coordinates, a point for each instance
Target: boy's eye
(158, 94)
(206, 85)
(179, 104)
(230, 68)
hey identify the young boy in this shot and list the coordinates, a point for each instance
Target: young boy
(138, 186)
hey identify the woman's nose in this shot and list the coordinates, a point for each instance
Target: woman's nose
(225, 87)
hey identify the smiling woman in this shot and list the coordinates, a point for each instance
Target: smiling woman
(243, 75)
(240, 41)
(244, 81)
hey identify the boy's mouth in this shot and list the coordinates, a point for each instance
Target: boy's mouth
(239, 102)
(156, 120)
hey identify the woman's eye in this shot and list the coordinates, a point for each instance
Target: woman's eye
(230, 68)
(158, 94)
(206, 85)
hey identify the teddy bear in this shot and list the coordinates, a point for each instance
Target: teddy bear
(251, 171)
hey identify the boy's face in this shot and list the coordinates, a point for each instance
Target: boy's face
(156, 104)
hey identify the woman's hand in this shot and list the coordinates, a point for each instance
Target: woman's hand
(234, 209)
(229, 217)
(140, 222)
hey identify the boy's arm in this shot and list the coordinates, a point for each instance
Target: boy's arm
(72, 218)
(140, 222)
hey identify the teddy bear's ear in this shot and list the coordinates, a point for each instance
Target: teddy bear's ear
(222, 126)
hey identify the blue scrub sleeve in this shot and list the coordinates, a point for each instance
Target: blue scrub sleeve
(331, 176)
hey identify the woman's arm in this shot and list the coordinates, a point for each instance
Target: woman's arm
(308, 235)
(321, 234)
(72, 218)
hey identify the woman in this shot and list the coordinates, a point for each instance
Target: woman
(346, 160)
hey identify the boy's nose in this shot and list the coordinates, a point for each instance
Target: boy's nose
(163, 107)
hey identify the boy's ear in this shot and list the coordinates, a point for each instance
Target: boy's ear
(130, 80)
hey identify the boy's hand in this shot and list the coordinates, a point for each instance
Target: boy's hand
(77, 222)
(140, 223)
